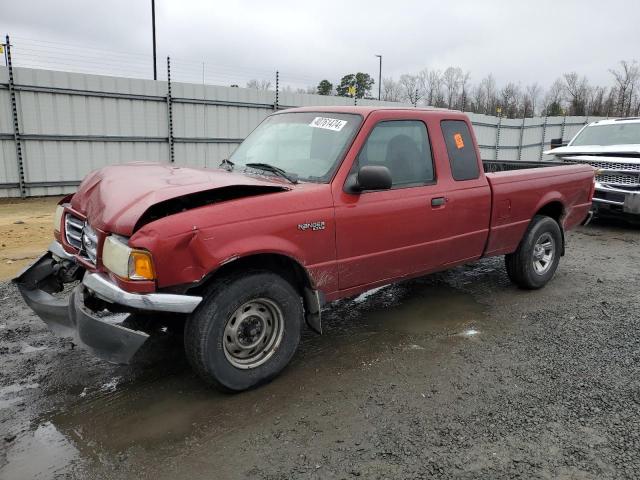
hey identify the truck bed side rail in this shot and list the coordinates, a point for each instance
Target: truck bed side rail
(491, 166)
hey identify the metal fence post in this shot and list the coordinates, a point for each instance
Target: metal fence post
(544, 134)
(275, 103)
(498, 135)
(521, 138)
(564, 122)
(16, 123)
(170, 113)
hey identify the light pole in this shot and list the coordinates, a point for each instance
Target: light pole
(380, 78)
(153, 29)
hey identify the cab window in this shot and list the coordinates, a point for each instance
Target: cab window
(460, 149)
(403, 147)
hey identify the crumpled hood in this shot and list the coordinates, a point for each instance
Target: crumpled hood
(595, 149)
(115, 197)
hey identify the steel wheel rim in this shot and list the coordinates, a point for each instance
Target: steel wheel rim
(543, 253)
(253, 333)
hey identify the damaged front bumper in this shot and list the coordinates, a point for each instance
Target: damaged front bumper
(96, 311)
(615, 199)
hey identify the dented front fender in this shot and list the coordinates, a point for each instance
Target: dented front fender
(189, 246)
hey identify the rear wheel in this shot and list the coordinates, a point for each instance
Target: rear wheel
(245, 331)
(535, 261)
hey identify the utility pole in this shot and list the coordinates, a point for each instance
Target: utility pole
(380, 77)
(153, 28)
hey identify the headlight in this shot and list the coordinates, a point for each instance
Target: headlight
(57, 218)
(127, 262)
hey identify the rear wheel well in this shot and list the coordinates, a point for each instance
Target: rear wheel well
(554, 210)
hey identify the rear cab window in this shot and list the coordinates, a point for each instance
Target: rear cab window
(460, 149)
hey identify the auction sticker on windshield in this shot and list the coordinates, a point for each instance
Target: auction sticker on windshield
(328, 123)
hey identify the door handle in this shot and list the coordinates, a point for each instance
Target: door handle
(438, 201)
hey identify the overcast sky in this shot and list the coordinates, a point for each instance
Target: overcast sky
(521, 41)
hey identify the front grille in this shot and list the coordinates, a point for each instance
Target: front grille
(73, 230)
(625, 167)
(81, 236)
(618, 179)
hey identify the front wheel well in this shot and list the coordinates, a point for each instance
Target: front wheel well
(282, 265)
(287, 268)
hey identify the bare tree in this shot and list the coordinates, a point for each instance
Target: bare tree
(553, 99)
(423, 76)
(308, 90)
(611, 102)
(569, 94)
(596, 101)
(479, 101)
(488, 85)
(577, 90)
(433, 87)
(510, 97)
(627, 82)
(259, 84)
(410, 87)
(451, 79)
(532, 94)
(391, 90)
(635, 106)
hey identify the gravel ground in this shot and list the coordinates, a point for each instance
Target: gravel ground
(457, 375)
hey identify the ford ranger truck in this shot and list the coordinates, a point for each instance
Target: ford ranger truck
(317, 204)
(613, 148)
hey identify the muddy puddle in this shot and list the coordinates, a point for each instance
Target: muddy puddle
(417, 308)
(156, 410)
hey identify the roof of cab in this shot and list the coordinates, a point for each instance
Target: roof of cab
(366, 110)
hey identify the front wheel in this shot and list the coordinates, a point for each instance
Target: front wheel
(535, 261)
(245, 331)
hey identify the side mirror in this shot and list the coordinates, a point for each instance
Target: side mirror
(557, 142)
(370, 177)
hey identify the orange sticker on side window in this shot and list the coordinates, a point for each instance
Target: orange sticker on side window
(458, 139)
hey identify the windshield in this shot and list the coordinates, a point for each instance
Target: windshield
(306, 144)
(611, 134)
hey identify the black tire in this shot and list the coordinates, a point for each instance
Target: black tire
(207, 342)
(524, 268)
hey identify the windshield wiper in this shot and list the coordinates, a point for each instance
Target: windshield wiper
(227, 164)
(267, 167)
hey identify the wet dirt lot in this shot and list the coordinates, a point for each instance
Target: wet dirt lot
(458, 375)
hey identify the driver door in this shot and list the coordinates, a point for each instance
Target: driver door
(392, 233)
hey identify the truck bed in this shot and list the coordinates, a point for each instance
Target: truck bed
(520, 189)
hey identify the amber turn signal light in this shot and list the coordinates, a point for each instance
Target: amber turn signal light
(141, 266)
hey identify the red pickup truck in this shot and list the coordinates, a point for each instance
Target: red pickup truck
(317, 204)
